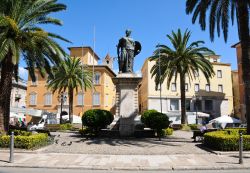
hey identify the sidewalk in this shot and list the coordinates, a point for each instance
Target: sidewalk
(124, 162)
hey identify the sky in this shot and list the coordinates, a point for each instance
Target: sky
(149, 20)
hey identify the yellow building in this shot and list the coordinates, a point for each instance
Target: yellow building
(101, 97)
(215, 98)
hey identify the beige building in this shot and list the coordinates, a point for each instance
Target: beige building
(102, 96)
(215, 98)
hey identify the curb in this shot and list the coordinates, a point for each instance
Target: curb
(240, 167)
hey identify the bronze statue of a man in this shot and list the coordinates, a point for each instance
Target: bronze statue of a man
(127, 49)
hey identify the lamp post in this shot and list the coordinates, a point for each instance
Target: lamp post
(62, 98)
(195, 99)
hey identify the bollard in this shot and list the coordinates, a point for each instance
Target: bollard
(240, 148)
(11, 147)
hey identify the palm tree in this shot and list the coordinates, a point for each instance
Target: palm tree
(183, 60)
(21, 36)
(220, 13)
(70, 75)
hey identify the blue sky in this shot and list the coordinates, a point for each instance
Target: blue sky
(149, 20)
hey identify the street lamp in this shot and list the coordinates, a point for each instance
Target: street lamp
(195, 98)
(61, 98)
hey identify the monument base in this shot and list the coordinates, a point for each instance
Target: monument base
(126, 101)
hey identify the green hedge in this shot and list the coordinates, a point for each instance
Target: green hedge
(66, 126)
(97, 119)
(25, 142)
(169, 131)
(194, 126)
(155, 120)
(226, 140)
(21, 133)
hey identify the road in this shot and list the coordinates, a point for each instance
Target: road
(42, 170)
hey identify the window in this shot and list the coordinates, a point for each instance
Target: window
(220, 88)
(188, 102)
(48, 99)
(196, 87)
(196, 73)
(33, 98)
(207, 87)
(96, 99)
(106, 100)
(97, 78)
(186, 87)
(174, 104)
(208, 105)
(173, 87)
(80, 99)
(219, 74)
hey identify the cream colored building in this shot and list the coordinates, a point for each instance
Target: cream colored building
(101, 96)
(215, 98)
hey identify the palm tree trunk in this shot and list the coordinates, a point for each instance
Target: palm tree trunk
(243, 22)
(183, 100)
(5, 91)
(71, 95)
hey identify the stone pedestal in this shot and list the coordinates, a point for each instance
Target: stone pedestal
(126, 101)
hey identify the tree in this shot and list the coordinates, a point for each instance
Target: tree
(183, 60)
(70, 75)
(220, 12)
(21, 35)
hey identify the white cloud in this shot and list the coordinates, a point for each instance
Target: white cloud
(23, 73)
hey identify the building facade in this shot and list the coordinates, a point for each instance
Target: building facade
(18, 93)
(236, 94)
(100, 96)
(241, 88)
(214, 98)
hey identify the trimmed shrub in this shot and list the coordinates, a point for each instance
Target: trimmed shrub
(66, 126)
(25, 142)
(194, 126)
(169, 131)
(226, 140)
(156, 120)
(144, 117)
(21, 133)
(97, 119)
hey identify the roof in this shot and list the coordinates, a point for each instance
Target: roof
(86, 47)
(104, 66)
(236, 44)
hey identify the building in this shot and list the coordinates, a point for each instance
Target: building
(237, 46)
(236, 93)
(215, 98)
(18, 93)
(102, 96)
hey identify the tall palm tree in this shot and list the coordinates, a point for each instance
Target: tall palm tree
(183, 59)
(220, 12)
(21, 36)
(70, 75)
